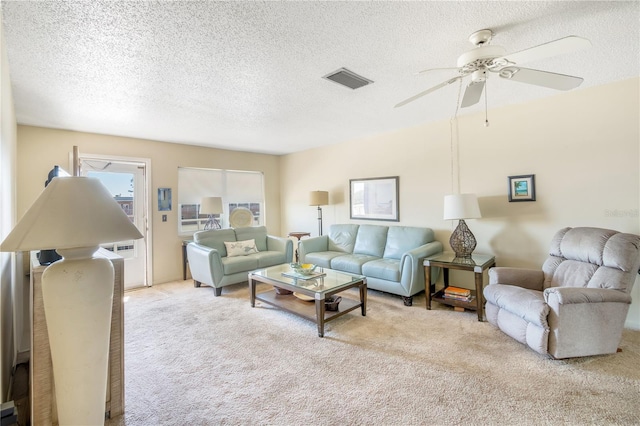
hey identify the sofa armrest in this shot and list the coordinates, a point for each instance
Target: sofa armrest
(411, 268)
(283, 245)
(312, 245)
(572, 295)
(205, 264)
(532, 279)
(418, 254)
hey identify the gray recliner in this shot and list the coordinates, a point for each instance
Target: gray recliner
(578, 303)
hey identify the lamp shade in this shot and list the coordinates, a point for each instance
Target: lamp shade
(461, 206)
(71, 212)
(318, 198)
(211, 205)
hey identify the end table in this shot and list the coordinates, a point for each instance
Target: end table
(185, 259)
(477, 263)
(298, 235)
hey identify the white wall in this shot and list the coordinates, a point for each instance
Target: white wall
(582, 146)
(8, 284)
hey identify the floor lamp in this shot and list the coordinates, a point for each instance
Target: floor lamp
(74, 215)
(319, 198)
(462, 206)
(211, 206)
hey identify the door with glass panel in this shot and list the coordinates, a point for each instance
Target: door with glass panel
(126, 183)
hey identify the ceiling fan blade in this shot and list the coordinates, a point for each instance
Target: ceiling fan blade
(426, 92)
(472, 94)
(553, 48)
(541, 78)
(435, 69)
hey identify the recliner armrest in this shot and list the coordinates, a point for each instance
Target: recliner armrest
(532, 279)
(572, 295)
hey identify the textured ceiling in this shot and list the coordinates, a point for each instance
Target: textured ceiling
(247, 75)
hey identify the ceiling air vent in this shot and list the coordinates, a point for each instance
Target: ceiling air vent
(347, 78)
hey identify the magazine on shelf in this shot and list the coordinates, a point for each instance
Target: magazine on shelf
(457, 291)
(457, 297)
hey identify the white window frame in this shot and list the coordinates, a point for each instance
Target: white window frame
(190, 194)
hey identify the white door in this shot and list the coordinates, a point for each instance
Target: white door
(126, 181)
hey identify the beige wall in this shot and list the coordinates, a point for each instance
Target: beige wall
(583, 147)
(10, 280)
(39, 149)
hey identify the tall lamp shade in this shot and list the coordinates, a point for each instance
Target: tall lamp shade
(74, 215)
(461, 207)
(211, 206)
(319, 198)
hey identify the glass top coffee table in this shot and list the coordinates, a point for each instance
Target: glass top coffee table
(316, 289)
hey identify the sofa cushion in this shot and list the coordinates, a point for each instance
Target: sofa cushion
(384, 269)
(270, 258)
(233, 265)
(215, 239)
(401, 239)
(258, 233)
(350, 262)
(240, 248)
(371, 240)
(521, 302)
(322, 258)
(342, 238)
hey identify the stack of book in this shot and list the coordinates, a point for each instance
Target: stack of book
(457, 293)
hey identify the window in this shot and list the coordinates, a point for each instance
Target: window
(237, 189)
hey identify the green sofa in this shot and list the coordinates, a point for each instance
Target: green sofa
(389, 256)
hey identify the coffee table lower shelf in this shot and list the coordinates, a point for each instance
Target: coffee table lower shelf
(307, 310)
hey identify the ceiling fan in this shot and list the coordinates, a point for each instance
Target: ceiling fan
(491, 58)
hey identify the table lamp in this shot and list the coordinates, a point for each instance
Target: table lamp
(462, 206)
(211, 206)
(74, 215)
(319, 198)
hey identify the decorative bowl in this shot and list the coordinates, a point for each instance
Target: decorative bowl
(303, 268)
(331, 303)
(282, 291)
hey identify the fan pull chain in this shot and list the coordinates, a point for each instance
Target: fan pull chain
(486, 113)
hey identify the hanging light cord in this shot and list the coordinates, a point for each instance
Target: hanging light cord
(455, 155)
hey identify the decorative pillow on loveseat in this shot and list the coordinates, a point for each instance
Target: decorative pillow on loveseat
(240, 248)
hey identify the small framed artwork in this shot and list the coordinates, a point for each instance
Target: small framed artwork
(164, 199)
(522, 188)
(374, 199)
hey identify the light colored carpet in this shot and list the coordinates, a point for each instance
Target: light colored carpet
(195, 359)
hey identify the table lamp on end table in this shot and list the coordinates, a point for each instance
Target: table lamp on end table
(462, 206)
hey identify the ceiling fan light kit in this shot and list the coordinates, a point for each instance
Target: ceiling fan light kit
(492, 58)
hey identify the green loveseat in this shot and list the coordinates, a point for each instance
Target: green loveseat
(210, 264)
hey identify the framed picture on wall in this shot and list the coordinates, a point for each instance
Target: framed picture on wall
(522, 188)
(164, 199)
(374, 199)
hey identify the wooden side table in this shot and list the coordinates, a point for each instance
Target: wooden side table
(298, 235)
(185, 259)
(477, 263)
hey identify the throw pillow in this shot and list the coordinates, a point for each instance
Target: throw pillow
(240, 248)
